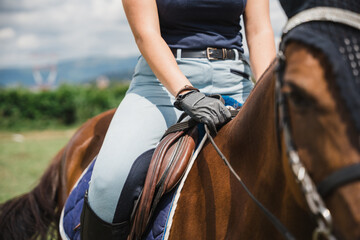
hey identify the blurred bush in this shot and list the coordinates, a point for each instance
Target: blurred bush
(22, 109)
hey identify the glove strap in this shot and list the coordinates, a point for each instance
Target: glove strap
(185, 88)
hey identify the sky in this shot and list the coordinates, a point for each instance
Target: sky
(34, 32)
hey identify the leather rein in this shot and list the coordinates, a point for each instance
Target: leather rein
(313, 194)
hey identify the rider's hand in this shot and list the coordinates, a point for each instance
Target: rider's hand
(208, 110)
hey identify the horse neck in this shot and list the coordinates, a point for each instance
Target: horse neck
(255, 155)
(253, 132)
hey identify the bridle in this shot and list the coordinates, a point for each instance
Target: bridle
(313, 199)
(313, 194)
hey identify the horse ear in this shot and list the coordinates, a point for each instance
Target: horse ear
(292, 7)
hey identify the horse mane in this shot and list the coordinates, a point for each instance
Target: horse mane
(34, 215)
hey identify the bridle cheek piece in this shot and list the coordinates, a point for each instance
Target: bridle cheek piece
(313, 199)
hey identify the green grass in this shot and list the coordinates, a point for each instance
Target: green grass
(25, 156)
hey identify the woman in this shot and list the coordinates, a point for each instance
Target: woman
(189, 48)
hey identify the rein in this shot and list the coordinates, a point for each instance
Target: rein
(311, 193)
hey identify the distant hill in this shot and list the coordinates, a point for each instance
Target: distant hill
(73, 71)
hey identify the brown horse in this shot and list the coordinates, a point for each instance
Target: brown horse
(212, 204)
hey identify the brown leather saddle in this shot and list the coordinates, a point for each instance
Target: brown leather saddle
(166, 169)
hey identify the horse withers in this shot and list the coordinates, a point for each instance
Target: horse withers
(299, 128)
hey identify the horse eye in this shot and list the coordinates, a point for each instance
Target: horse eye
(298, 97)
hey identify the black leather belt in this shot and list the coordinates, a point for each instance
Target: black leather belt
(210, 53)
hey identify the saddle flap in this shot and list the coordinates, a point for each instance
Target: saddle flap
(181, 153)
(167, 166)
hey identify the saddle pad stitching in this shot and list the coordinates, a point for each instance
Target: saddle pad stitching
(178, 191)
(61, 226)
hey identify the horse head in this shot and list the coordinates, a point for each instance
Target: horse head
(319, 98)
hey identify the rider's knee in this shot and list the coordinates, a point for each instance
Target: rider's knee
(104, 185)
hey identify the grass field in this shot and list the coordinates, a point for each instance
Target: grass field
(25, 156)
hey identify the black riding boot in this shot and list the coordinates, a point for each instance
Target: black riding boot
(94, 228)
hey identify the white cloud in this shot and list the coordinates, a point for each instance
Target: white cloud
(26, 4)
(7, 33)
(110, 10)
(66, 28)
(73, 28)
(28, 41)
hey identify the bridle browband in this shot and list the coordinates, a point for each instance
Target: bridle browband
(313, 195)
